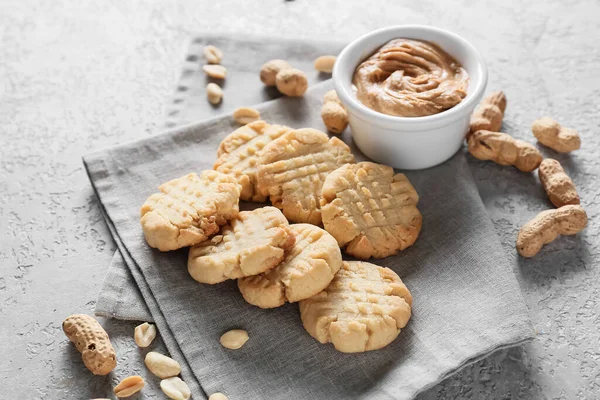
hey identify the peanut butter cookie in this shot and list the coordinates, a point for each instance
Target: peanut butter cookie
(293, 168)
(308, 267)
(363, 308)
(370, 210)
(189, 209)
(252, 243)
(239, 155)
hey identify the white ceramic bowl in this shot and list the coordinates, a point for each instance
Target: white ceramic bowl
(409, 142)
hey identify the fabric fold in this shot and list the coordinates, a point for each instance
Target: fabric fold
(119, 296)
(467, 302)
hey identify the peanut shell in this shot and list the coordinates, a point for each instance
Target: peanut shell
(92, 341)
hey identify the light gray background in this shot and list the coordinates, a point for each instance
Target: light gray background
(79, 75)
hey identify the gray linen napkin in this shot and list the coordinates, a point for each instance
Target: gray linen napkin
(119, 295)
(467, 302)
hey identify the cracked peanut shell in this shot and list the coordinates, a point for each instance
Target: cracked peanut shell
(92, 341)
(557, 184)
(547, 226)
(503, 149)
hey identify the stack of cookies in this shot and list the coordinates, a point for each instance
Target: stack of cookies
(312, 181)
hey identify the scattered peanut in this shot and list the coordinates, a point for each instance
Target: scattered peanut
(218, 396)
(291, 82)
(144, 334)
(213, 54)
(215, 71)
(214, 93)
(129, 386)
(92, 341)
(325, 64)
(333, 113)
(245, 115)
(557, 184)
(547, 226)
(488, 115)
(175, 388)
(269, 71)
(504, 150)
(551, 134)
(234, 339)
(161, 365)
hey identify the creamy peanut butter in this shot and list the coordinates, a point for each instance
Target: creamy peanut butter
(410, 78)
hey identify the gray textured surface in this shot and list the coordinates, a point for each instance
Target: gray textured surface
(76, 76)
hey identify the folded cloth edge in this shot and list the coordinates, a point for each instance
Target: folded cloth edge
(164, 329)
(128, 260)
(173, 347)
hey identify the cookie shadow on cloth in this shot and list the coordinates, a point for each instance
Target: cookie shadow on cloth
(271, 93)
(561, 260)
(352, 374)
(298, 109)
(379, 366)
(250, 205)
(287, 350)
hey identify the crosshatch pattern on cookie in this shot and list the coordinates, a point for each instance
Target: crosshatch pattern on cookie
(239, 154)
(370, 210)
(294, 168)
(363, 308)
(189, 209)
(252, 243)
(308, 267)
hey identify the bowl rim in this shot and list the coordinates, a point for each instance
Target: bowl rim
(451, 114)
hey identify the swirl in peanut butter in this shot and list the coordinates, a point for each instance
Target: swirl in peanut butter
(410, 78)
